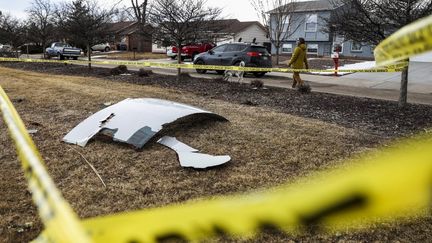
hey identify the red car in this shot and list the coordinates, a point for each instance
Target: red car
(191, 50)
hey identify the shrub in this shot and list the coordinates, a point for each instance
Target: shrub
(115, 71)
(184, 77)
(123, 68)
(305, 88)
(257, 84)
(249, 102)
(144, 73)
(118, 70)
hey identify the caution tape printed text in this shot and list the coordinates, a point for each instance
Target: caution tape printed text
(391, 68)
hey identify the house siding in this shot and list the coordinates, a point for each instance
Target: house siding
(324, 48)
(158, 49)
(300, 20)
(366, 51)
(322, 39)
(252, 32)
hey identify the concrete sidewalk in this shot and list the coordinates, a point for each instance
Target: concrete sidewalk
(363, 92)
(419, 79)
(345, 85)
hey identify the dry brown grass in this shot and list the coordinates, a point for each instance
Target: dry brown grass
(128, 55)
(268, 148)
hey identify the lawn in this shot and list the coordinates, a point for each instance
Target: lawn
(128, 55)
(268, 148)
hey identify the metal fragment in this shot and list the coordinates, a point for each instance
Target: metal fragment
(190, 157)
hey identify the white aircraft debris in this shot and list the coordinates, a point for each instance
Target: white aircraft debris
(190, 157)
(133, 121)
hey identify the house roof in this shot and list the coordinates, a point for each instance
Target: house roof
(120, 26)
(234, 25)
(310, 6)
(125, 28)
(238, 27)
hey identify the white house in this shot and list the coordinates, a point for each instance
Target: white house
(237, 31)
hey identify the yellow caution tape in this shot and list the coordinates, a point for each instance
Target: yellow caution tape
(62, 224)
(411, 40)
(393, 68)
(392, 184)
(388, 185)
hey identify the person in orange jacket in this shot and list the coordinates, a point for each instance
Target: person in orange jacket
(299, 61)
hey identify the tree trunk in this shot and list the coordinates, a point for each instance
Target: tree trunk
(43, 50)
(89, 56)
(404, 87)
(277, 55)
(179, 60)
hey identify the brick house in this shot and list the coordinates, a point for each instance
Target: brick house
(126, 36)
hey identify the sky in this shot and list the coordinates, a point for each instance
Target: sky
(239, 9)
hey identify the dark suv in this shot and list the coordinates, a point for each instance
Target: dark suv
(232, 54)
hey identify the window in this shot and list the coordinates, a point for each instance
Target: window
(356, 47)
(287, 48)
(235, 48)
(220, 48)
(311, 23)
(312, 48)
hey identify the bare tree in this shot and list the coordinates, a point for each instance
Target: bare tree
(371, 21)
(183, 21)
(140, 9)
(12, 31)
(41, 25)
(123, 14)
(280, 20)
(84, 23)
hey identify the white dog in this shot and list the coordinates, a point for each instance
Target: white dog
(229, 75)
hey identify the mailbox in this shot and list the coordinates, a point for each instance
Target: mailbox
(335, 56)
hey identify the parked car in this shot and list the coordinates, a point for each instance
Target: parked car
(101, 47)
(7, 51)
(191, 50)
(233, 53)
(170, 53)
(122, 46)
(62, 50)
(5, 48)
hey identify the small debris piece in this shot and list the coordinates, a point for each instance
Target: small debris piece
(190, 157)
(91, 166)
(32, 131)
(18, 100)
